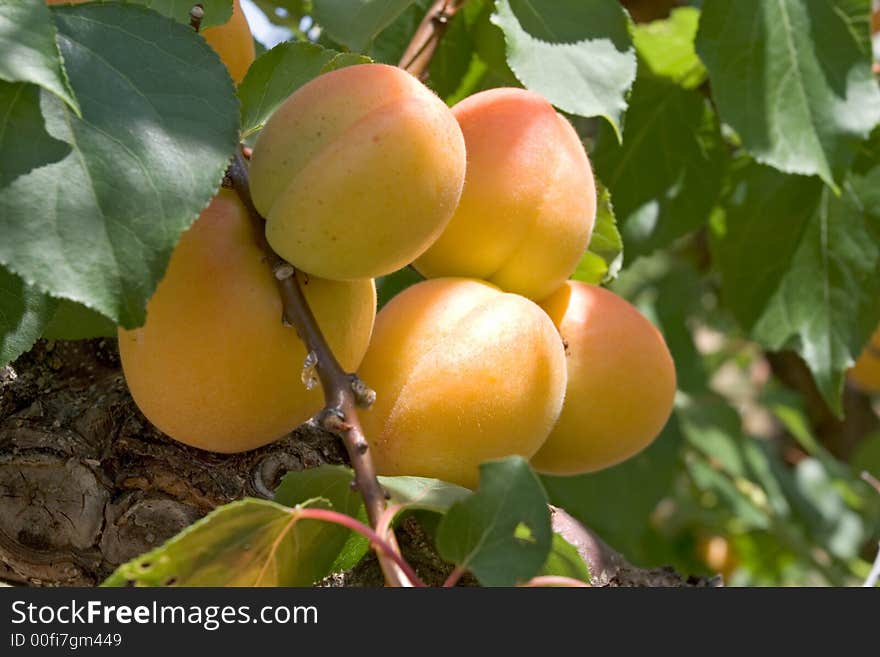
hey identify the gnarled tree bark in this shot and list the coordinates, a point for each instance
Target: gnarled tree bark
(86, 483)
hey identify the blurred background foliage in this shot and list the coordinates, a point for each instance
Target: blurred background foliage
(758, 473)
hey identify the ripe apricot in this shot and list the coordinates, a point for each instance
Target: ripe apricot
(357, 172)
(621, 381)
(865, 374)
(529, 199)
(233, 42)
(463, 373)
(213, 367)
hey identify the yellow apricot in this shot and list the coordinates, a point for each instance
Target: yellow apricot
(357, 172)
(529, 199)
(233, 42)
(463, 373)
(621, 381)
(213, 367)
(865, 374)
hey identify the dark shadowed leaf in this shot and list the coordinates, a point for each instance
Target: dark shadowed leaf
(355, 23)
(24, 312)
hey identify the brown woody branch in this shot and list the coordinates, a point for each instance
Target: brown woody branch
(196, 14)
(423, 45)
(343, 392)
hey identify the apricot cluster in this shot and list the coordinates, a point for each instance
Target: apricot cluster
(359, 173)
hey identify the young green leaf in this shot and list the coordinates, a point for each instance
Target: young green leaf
(355, 23)
(501, 533)
(73, 321)
(281, 71)
(160, 122)
(667, 47)
(30, 54)
(250, 542)
(604, 257)
(793, 78)
(564, 561)
(577, 54)
(24, 312)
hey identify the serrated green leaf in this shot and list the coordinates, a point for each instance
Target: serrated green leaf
(281, 71)
(24, 142)
(501, 533)
(73, 321)
(666, 176)
(24, 312)
(604, 257)
(667, 47)
(793, 78)
(250, 542)
(564, 561)
(30, 54)
(355, 23)
(99, 225)
(799, 267)
(217, 12)
(576, 53)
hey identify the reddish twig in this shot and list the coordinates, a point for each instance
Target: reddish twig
(380, 545)
(556, 580)
(422, 46)
(454, 576)
(343, 392)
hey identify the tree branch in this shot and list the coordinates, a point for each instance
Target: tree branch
(343, 392)
(422, 46)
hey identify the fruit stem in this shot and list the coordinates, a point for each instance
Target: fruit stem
(196, 14)
(343, 392)
(423, 45)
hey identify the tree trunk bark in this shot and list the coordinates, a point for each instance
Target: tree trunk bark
(86, 483)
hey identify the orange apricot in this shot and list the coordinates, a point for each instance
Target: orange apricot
(213, 366)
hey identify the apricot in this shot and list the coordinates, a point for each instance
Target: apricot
(357, 172)
(233, 42)
(865, 374)
(463, 373)
(213, 367)
(529, 199)
(621, 381)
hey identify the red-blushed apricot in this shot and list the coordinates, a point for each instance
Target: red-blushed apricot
(213, 367)
(357, 172)
(463, 373)
(232, 41)
(865, 374)
(621, 381)
(529, 200)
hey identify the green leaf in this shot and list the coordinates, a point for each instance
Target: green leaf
(355, 23)
(281, 71)
(423, 493)
(30, 54)
(800, 266)
(217, 12)
(667, 47)
(99, 225)
(501, 533)
(604, 257)
(793, 78)
(666, 176)
(24, 142)
(576, 53)
(390, 44)
(564, 561)
(24, 311)
(73, 321)
(453, 57)
(246, 543)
